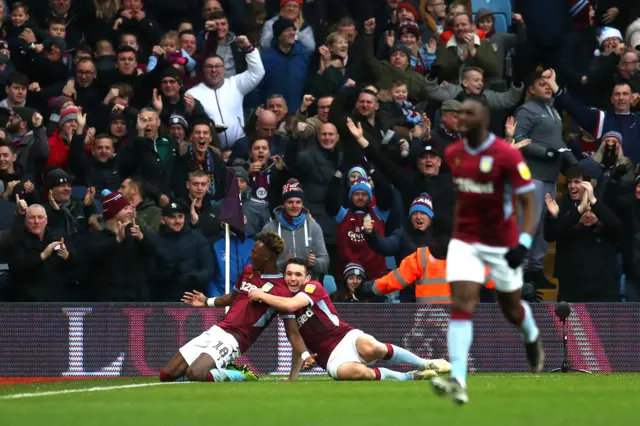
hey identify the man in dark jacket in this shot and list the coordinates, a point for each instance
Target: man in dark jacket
(426, 176)
(315, 167)
(101, 170)
(118, 256)
(184, 261)
(402, 242)
(587, 234)
(40, 265)
(68, 216)
(152, 155)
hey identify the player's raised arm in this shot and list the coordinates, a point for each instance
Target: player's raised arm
(283, 304)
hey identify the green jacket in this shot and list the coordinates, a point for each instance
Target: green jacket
(450, 66)
(148, 217)
(384, 73)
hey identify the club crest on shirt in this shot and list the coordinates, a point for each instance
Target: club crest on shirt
(486, 164)
(309, 288)
(267, 287)
(456, 161)
(524, 171)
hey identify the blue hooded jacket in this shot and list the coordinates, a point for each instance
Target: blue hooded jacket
(239, 259)
(285, 74)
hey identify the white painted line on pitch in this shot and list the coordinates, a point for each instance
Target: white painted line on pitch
(94, 389)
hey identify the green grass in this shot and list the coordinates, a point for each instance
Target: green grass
(495, 400)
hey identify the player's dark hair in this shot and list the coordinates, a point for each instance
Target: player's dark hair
(298, 261)
(272, 241)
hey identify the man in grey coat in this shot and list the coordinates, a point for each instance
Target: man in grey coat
(546, 156)
(301, 233)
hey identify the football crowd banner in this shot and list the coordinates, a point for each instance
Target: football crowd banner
(137, 340)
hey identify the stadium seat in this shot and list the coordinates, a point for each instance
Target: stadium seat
(501, 9)
(391, 263)
(329, 284)
(78, 192)
(7, 214)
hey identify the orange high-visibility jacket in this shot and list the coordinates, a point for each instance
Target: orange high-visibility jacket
(427, 273)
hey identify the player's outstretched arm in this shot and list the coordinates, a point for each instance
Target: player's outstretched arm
(199, 300)
(298, 345)
(283, 304)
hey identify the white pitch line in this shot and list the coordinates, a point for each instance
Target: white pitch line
(94, 389)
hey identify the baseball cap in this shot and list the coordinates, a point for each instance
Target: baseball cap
(177, 206)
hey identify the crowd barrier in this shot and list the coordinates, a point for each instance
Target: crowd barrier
(138, 339)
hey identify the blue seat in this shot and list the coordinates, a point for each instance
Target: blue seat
(329, 284)
(391, 263)
(78, 192)
(500, 8)
(7, 214)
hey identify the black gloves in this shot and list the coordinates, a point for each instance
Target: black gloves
(618, 171)
(530, 294)
(515, 256)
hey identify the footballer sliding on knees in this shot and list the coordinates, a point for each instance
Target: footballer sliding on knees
(344, 352)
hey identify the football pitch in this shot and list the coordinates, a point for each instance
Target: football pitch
(495, 399)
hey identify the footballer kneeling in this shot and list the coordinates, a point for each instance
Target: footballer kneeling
(344, 352)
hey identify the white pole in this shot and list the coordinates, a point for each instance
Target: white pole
(227, 262)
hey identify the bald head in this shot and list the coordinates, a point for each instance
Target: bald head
(266, 125)
(328, 136)
(36, 209)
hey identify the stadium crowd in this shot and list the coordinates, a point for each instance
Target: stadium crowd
(131, 128)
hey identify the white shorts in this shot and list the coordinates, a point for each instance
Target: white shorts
(217, 343)
(467, 261)
(345, 352)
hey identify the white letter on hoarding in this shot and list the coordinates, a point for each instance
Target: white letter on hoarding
(285, 352)
(76, 347)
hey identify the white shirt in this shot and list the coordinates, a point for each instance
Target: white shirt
(224, 104)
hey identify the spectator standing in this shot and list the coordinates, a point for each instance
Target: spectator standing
(315, 166)
(118, 256)
(147, 213)
(302, 235)
(546, 156)
(286, 65)
(26, 132)
(587, 234)
(183, 261)
(222, 97)
(289, 10)
(40, 265)
(463, 50)
(415, 233)
(68, 216)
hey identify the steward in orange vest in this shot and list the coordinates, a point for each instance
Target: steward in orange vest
(427, 273)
